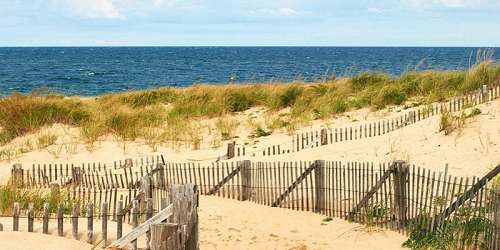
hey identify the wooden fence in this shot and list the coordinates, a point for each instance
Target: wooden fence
(180, 233)
(392, 195)
(327, 136)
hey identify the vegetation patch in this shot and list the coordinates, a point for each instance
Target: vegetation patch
(161, 116)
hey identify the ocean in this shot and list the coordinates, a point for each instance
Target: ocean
(89, 71)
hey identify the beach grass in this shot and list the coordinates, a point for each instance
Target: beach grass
(168, 114)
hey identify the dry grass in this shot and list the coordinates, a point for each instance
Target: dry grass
(169, 116)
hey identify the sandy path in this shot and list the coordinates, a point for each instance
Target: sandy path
(230, 224)
(227, 224)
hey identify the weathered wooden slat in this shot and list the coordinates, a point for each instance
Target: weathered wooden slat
(284, 195)
(142, 228)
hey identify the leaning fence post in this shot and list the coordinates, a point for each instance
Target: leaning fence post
(400, 178)
(74, 218)
(246, 176)
(45, 218)
(60, 211)
(319, 177)
(104, 222)
(30, 217)
(90, 221)
(15, 226)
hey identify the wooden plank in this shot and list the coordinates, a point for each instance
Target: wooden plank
(303, 176)
(142, 228)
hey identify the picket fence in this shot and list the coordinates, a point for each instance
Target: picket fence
(393, 195)
(328, 136)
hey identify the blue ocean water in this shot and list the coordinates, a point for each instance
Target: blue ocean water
(97, 70)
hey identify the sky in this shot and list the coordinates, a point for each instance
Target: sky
(474, 23)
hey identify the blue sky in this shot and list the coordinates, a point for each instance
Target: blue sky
(255, 22)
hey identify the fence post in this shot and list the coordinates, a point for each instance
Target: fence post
(246, 176)
(90, 221)
(319, 178)
(60, 211)
(159, 236)
(230, 150)
(173, 236)
(77, 176)
(149, 214)
(119, 220)
(30, 217)
(135, 220)
(15, 226)
(45, 218)
(104, 221)
(128, 163)
(163, 234)
(484, 92)
(17, 174)
(74, 218)
(324, 137)
(400, 178)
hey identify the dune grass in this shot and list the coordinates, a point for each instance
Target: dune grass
(9, 195)
(167, 115)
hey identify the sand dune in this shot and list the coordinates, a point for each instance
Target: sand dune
(229, 224)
